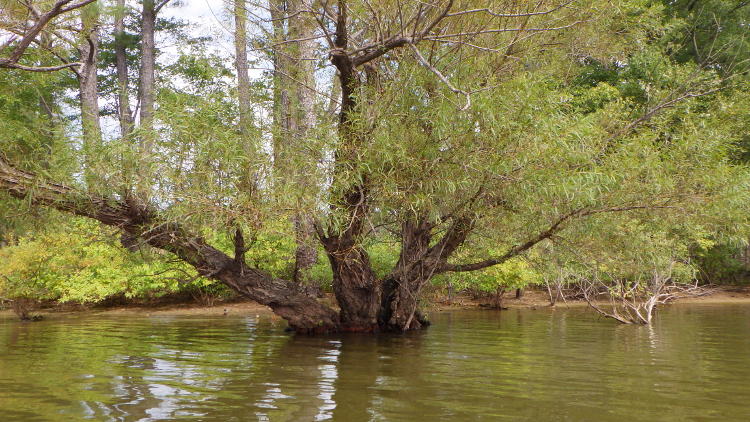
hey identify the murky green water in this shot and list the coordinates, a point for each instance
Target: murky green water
(692, 365)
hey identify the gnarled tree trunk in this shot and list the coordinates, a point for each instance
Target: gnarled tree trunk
(402, 288)
(354, 284)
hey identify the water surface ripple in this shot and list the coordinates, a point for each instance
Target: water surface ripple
(693, 364)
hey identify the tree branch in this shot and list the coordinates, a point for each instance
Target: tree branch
(160, 5)
(374, 51)
(511, 15)
(40, 68)
(139, 220)
(57, 9)
(554, 228)
(442, 77)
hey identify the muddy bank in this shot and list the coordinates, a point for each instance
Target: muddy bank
(539, 298)
(181, 309)
(530, 299)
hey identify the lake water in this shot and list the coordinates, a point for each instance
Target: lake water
(693, 364)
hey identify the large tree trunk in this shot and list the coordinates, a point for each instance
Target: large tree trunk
(402, 288)
(146, 90)
(280, 84)
(354, 284)
(49, 109)
(241, 66)
(124, 112)
(417, 264)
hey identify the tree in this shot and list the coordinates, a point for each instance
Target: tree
(294, 57)
(457, 123)
(88, 89)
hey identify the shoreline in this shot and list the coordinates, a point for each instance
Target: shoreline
(539, 299)
(532, 299)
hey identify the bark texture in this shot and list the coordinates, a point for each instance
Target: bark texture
(124, 112)
(146, 90)
(146, 99)
(89, 96)
(295, 116)
(248, 182)
(354, 284)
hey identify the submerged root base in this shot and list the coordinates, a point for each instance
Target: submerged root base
(362, 329)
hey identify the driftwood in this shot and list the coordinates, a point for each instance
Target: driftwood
(635, 301)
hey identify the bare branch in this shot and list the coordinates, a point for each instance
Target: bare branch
(442, 77)
(500, 30)
(75, 6)
(57, 9)
(374, 51)
(510, 15)
(41, 68)
(161, 4)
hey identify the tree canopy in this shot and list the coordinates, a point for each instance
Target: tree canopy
(462, 135)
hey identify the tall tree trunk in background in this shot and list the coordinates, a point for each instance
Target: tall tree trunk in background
(146, 98)
(146, 90)
(295, 116)
(249, 179)
(280, 81)
(243, 79)
(49, 109)
(302, 27)
(88, 93)
(124, 113)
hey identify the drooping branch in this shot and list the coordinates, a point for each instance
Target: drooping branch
(502, 30)
(650, 113)
(424, 30)
(550, 231)
(139, 220)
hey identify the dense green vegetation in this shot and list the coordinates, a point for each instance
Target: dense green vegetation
(464, 145)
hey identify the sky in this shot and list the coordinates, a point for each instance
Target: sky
(209, 17)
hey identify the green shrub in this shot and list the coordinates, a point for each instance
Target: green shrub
(82, 261)
(513, 274)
